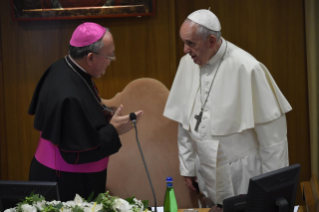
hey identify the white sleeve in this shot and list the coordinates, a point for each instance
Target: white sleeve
(186, 153)
(273, 144)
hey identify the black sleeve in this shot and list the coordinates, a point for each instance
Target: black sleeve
(110, 145)
(86, 136)
(69, 116)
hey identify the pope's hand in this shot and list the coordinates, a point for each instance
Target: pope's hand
(190, 182)
(215, 209)
(122, 123)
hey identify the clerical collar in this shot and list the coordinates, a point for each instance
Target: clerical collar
(219, 54)
(82, 69)
(78, 68)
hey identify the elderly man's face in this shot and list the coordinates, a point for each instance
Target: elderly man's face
(102, 62)
(194, 45)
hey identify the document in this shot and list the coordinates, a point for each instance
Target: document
(159, 209)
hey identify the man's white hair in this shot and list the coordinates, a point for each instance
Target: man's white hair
(204, 32)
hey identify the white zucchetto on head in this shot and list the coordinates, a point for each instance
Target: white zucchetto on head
(205, 18)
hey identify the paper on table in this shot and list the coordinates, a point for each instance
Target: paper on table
(159, 209)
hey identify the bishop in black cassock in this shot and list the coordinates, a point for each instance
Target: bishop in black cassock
(77, 131)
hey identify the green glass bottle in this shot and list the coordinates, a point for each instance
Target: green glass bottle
(170, 204)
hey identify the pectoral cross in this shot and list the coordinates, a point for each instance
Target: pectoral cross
(199, 119)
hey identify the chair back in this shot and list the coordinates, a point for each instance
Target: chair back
(126, 175)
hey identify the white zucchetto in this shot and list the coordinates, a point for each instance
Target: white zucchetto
(205, 18)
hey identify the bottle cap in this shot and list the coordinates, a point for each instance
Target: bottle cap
(169, 179)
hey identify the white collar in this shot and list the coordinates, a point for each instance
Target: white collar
(77, 64)
(219, 54)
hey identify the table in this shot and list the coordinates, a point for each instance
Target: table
(300, 209)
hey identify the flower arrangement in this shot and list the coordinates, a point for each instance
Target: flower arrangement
(103, 203)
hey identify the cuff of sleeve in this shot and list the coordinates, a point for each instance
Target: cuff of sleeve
(188, 173)
(112, 142)
(275, 156)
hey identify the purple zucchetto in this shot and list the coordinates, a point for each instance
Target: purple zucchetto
(87, 34)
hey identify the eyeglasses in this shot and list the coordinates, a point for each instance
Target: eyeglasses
(112, 58)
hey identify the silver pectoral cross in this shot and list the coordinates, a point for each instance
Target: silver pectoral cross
(199, 119)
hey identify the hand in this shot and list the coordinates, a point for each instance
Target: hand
(215, 209)
(123, 124)
(189, 182)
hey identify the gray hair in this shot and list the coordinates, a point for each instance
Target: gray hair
(80, 52)
(205, 32)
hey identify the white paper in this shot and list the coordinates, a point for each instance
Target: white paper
(159, 209)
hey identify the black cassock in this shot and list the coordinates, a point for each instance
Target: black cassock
(68, 115)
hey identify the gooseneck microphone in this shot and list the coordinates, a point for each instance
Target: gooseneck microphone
(133, 119)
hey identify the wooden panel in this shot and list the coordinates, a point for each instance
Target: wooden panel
(302, 209)
(144, 48)
(3, 142)
(273, 32)
(310, 204)
(315, 191)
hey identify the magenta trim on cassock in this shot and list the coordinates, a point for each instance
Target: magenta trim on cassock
(49, 155)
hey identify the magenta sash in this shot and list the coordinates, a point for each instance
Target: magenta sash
(49, 155)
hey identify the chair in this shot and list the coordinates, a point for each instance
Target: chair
(158, 138)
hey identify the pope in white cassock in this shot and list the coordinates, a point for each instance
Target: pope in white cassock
(231, 113)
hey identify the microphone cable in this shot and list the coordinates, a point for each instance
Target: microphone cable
(133, 119)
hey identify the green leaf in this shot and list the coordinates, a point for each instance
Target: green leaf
(37, 198)
(58, 206)
(77, 209)
(130, 200)
(90, 197)
(50, 208)
(145, 203)
(32, 193)
(99, 198)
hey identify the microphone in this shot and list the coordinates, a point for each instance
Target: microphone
(133, 119)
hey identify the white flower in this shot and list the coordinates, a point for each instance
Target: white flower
(54, 202)
(140, 210)
(118, 204)
(40, 205)
(78, 200)
(69, 204)
(28, 208)
(10, 210)
(87, 204)
(138, 202)
(122, 205)
(66, 209)
(93, 207)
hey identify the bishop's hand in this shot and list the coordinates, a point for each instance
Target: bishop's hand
(122, 123)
